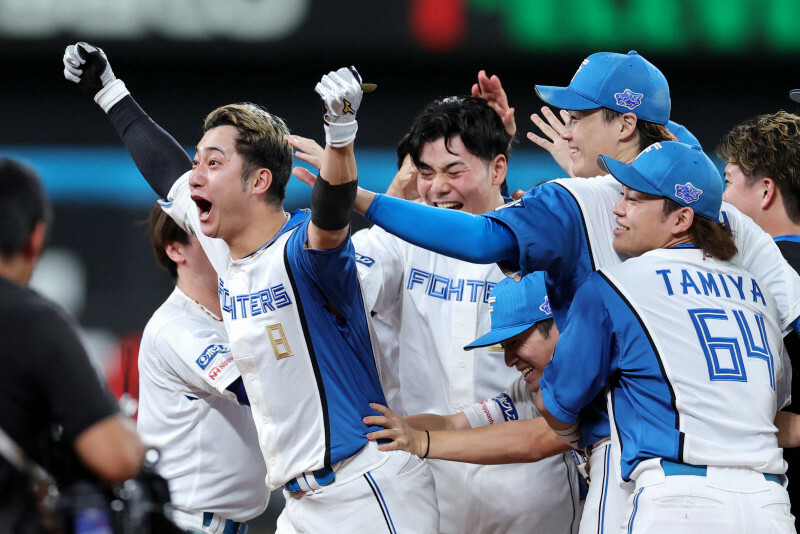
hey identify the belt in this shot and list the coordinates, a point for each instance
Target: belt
(675, 468)
(311, 480)
(231, 527)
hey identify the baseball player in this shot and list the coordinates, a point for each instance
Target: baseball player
(460, 148)
(617, 103)
(290, 300)
(689, 348)
(507, 427)
(761, 179)
(189, 397)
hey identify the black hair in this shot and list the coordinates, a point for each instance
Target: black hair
(23, 204)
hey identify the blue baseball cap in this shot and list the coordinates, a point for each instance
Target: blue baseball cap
(515, 307)
(673, 170)
(682, 133)
(622, 82)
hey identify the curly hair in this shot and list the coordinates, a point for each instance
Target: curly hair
(260, 142)
(768, 146)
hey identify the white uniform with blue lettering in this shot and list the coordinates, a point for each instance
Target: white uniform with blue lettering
(691, 350)
(439, 305)
(310, 375)
(565, 228)
(209, 453)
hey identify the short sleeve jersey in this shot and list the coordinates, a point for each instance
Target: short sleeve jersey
(301, 338)
(691, 350)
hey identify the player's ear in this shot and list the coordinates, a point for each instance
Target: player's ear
(769, 193)
(174, 252)
(498, 169)
(684, 218)
(627, 125)
(262, 179)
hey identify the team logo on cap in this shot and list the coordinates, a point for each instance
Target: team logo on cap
(628, 99)
(687, 192)
(545, 307)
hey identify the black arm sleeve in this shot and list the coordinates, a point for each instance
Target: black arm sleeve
(157, 155)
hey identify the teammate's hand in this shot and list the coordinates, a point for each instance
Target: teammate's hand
(88, 66)
(553, 129)
(404, 183)
(491, 90)
(403, 437)
(309, 151)
(341, 94)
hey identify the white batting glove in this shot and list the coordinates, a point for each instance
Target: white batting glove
(341, 93)
(88, 66)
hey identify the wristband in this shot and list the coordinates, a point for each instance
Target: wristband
(340, 134)
(331, 205)
(111, 94)
(427, 447)
(570, 435)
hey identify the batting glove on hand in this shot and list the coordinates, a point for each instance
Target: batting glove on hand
(341, 93)
(88, 66)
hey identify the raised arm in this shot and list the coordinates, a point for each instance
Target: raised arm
(334, 191)
(159, 158)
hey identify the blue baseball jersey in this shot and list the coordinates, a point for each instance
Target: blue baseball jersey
(690, 350)
(302, 340)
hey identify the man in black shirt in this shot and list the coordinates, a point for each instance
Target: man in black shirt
(52, 402)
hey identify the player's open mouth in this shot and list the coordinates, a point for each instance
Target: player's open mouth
(203, 207)
(525, 372)
(449, 205)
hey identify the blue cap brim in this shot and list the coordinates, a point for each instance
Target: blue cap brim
(794, 94)
(498, 335)
(627, 175)
(564, 98)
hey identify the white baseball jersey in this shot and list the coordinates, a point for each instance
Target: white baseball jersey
(208, 442)
(692, 350)
(302, 341)
(436, 305)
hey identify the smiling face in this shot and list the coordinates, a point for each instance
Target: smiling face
(530, 352)
(451, 177)
(216, 183)
(641, 223)
(590, 135)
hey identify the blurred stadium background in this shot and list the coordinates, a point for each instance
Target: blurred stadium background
(726, 60)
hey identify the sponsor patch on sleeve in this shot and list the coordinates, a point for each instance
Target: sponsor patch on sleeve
(507, 407)
(210, 353)
(365, 260)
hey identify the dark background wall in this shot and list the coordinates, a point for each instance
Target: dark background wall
(725, 61)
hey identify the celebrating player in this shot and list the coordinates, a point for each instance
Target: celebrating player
(689, 348)
(762, 157)
(459, 147)
(507, 427)
(289, 297)
(565, 227)
(188, 388)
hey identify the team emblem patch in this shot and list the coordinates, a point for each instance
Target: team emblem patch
(545, 307)
(210, 353)
(628, 99)
(347, 107)
(687, 192)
